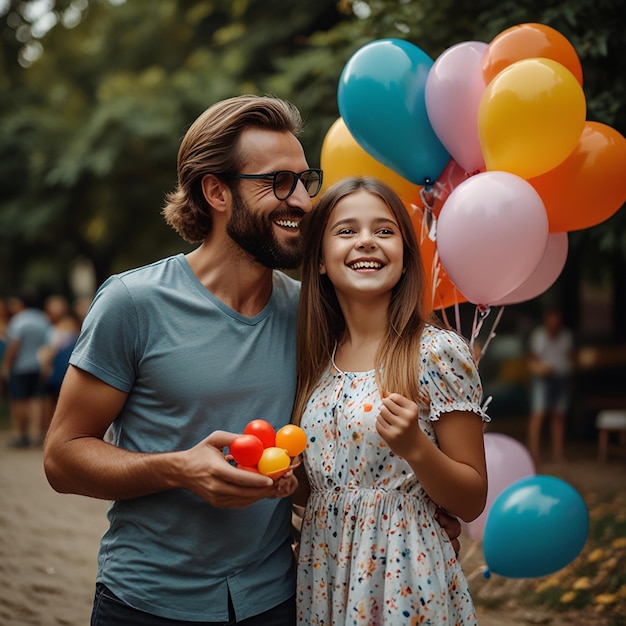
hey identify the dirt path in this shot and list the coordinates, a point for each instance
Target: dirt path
(49, 543)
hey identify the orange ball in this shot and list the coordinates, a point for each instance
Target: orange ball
(292, 438)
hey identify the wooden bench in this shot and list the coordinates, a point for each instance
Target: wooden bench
(609, 422)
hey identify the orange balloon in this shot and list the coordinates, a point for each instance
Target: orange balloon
(342, 156)
(526, 41)
(444, 294)
(590, 185)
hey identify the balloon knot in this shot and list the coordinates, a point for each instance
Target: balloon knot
(487, 574)
(427, 195)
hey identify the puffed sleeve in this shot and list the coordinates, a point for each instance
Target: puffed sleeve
(449, 379)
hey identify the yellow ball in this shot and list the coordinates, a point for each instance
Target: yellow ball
(273, 460)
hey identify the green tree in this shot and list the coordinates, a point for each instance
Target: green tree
(94, 109)
(93, 142)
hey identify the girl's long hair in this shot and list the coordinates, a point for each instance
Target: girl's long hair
(321, 323)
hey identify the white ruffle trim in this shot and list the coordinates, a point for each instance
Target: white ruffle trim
(464, 406)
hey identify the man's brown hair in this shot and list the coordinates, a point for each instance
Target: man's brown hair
(211, 146)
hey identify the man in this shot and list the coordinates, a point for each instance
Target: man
(26, 334)
(177, 357)
(550, 360)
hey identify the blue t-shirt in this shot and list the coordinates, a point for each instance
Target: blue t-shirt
(191, 365)
(28, 327)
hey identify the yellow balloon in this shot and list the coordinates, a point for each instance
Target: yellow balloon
(342, 156)
(530, 117)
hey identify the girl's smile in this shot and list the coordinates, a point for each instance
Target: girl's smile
(362, 239)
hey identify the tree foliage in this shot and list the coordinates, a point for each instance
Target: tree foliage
(94, 109)
(92, 129)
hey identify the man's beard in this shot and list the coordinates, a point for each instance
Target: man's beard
(254, 233)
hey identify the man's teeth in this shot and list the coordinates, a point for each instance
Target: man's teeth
(287, 223)
(366, 265)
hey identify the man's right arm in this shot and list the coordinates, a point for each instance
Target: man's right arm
(78, 460)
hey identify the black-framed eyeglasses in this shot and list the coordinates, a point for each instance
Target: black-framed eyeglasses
(284, 182)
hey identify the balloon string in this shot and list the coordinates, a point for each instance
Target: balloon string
(481, 569)
(429, 225)
(428, 196)
(435, 271)
(435, 285)
(429, 229)
(480, 313)
(424, 223)
(457, 313)
(469, 554)
(486, 404)
(426, 230)
(492, 334)
(435, 282)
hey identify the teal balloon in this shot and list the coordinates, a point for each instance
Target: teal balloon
(381, 100)
(535, 527)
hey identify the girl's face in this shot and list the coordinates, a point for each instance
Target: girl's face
(362, 247)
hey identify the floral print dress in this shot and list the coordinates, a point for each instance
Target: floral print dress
(371, 551)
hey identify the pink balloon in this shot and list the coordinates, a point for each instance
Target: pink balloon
(454, 89)
(507, 461)
(491, 234)
(545, 274)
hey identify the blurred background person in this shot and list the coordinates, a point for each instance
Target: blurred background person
(4, 322)
(55, 307)
(55, 353)
(550, 361)
(26, 333)
(80, 306)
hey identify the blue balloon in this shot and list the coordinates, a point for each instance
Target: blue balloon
(535, 527)
(381, 100)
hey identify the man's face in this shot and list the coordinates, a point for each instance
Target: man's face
(552, 322)
(254, 232)
(266, 228)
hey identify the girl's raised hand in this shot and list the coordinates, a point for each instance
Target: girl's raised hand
(398, 424)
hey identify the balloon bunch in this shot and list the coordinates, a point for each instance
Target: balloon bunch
(532, 525)
(262, 449)
(489, 148)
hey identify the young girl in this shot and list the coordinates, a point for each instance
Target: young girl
(390, 403)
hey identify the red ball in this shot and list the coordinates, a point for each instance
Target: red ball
(263, 430)
(246, 449)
